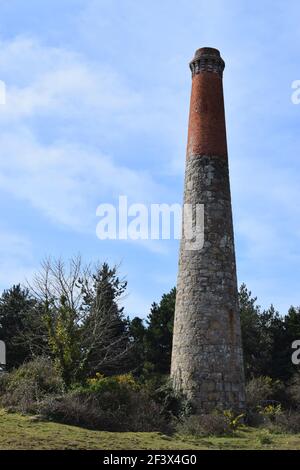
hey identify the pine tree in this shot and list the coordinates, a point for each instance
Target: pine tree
(137, 332)
(16, 305)
(159, 334)
(105, 330)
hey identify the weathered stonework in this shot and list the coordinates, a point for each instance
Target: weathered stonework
(207, 59)
(207, 362)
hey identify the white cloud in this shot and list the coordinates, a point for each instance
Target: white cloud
(65, 181)
(43, 80)
(64, 176)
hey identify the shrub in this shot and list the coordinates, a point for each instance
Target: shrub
(288, 422)
(4, 377)
(265, 438)
(23, 388)
(124, 379)
(173, 403)
(205, 425)
(254, 418)
(293, 423)
(293, 391)
(271, 412)
(262, 391)
(113, 393)
(234, 420)
(108, 404)
(72, 408)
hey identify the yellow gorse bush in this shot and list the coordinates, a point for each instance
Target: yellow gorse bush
(123, 379)
(233, 420)
(271, 410)
(95, 379)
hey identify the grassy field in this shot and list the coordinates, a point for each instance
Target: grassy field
(23, 432)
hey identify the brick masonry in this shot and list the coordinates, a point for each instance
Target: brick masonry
(207, 361)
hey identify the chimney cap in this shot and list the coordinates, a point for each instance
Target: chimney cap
(207, 51)
(207, 59)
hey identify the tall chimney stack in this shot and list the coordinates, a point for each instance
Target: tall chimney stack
(207, 360)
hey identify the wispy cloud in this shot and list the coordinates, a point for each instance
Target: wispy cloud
(65, 178)
(65, 181)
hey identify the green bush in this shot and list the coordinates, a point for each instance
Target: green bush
(23, 388)
(174, 404)
(262, 391)
(205, 425)
(265, 438)
(108, 404)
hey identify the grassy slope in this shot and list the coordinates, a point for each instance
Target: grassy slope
(20, 432)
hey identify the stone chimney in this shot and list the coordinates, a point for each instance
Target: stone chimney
(207, 360)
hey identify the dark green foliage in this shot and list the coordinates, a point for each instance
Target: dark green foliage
(158, 339)
(137, 333)
(256, 335)
(153, 342)
(267, 338)
(293, 391)
(249, 313)
(284, 341)
(18, 311)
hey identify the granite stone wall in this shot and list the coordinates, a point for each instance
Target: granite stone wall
(207, 361)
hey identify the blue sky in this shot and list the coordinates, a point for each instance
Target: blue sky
(97, 107)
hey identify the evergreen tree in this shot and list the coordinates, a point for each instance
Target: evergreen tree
(271, 330)
(159, 334)
(258, 334)
(267, 338)
(16, 306)
(137, 333)
(290, 334)
(249, 313)
(105, 330)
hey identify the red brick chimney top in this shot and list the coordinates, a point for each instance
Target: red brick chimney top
(207, 131)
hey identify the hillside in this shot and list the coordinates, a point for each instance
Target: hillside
(23, 432)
